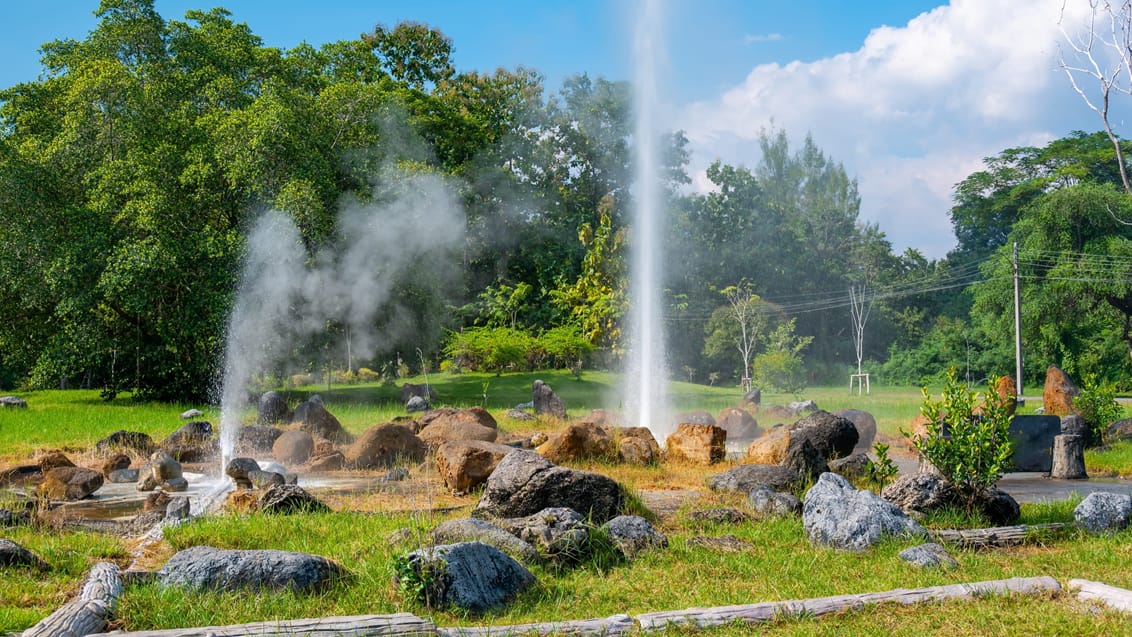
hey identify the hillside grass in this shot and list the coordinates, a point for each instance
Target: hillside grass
(361, 535)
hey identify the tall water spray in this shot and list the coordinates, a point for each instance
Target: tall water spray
(647, 374)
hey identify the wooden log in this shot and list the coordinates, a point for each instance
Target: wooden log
(615, 625)
(997, 536)
(89, 612)
(1116, 598)
(768, 611)
(399, 624)
(1069, 457)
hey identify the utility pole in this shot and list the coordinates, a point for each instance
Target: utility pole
(1017, 327)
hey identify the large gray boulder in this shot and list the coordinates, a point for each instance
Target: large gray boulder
(256, 440)
(14, 555)
(472, 576)
(525, 483)
(632, 535)
(289, 498)
(929, 555)
(745, 477)
(560, 534)
(312, 416)
(833, 436)
(836, 514)
(866, 426)
(272, 408)
(1103, 512)
(546, 401)
(477, 530)
(920, 493)
(205, 567)
(767, 502)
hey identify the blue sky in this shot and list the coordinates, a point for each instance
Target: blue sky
(909, 95)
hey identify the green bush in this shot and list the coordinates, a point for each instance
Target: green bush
(970, 446)
(563, 347)
(1097, 405)
(493, 349)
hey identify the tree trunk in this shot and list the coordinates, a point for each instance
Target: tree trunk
(1069, 457)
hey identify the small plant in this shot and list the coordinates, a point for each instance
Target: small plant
(420, 577)
(1097, 405)
(971, 448)
(883, 470)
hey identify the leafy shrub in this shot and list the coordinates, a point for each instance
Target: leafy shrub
(490, 349)
(883, 470)
(367, 375)
(1097, 405)
(563, 346)
(780, 367)
(970, 447)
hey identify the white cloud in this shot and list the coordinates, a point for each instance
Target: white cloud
(913, 111)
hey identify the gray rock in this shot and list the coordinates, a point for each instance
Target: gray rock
(472, 576)
(177, 509)
(69, 483)
(766, 502)
(286, 499)
(525, 483)
(833, 436)
(546, 401)
(720, 515)
(14, 555)
(205, 567)
(694, 418)
(477, 530)
(920, 493)
(519, 414)
(632, 535)
(1119, 430)
(14, 518)
(739, 425)
(721, 543)
(754, 397)
(123, 476)
(802, 406)
(264, 479)
(239, 468)
(999, 506)
(559, 534)
(929, 555)
(836, 514)
(122, 439)
(175, 485)
(191, 413)
(416, 403)
(313, 416)
(272, 408)
(1103, 512)
(804, 458)
(745, 477)
(852, 467)
(13, 402)
(256, 440)
(866, 426)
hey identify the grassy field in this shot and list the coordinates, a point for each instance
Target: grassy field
(360, 534)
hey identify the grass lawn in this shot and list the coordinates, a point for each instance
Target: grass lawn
(361, 535)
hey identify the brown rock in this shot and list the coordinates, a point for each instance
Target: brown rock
(114, 463)
(601, 417)
(579, 440)
(637, 445)
(697, 444)
(739, 424)
(448, 425)
(312, 416)
(333, 461)
(69, 483)
(866, 426)
(466, 464)
(1059, 392)
(770, 448)
(384, 446)
(51, 459)
(1008, 392)
(293, 447)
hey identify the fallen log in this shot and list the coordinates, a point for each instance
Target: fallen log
(615, 625)
(1116, 598)
(997, 536)
(89, 612)
(768, 611)
(398, 624)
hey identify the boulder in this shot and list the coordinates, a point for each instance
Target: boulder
(466, 464)
(1007, 391)
(410, 391)
(602, 417)
(832, 436)
(289, 498)
(14, 555)
(525, 483)
(471, 576)
(578, 441)
(637, 445)
(69, 483)
(9, 517)
(920, 493)
(852, 467)
(239, 468)
(448, 425)
(739, 424)
(125, 440)
(51, 460)
(744, 478)
(20, 475)
(13, 402)
(836, 514)
(333, 461)
(208, 568)
(929, 555)
(261, 479)
(800, 407)
(766, 502)
(256, 440)
(546, 402)
(312, 416)
(803, 457)
(866, 426)
(632, 535)
(999, 507)
(175, 485)
(519, 414)
(771, 447)
(384, 446)
(158, 469)
(1103, 512)
(123, 476)
(753, 397)
(559, 534)
(697, 444)
(272, 408)
(694, 418)
(178, 508)
(1058, 393)
(293, 447)
(192, 442)
(191, 414)
(114, 463)
(1119, 430)
(416, 404)
(719, 515)
(477, 530)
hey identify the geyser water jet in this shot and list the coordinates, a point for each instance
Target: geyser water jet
(646, 379)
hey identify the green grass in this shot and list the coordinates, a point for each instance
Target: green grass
(1112, 460)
